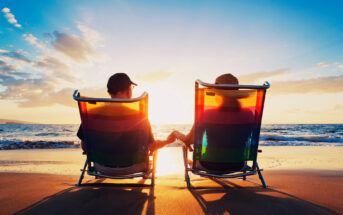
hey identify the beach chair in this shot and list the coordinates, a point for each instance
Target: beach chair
(226, 131)
(116, 135)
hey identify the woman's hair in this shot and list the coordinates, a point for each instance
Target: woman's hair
(227, 78)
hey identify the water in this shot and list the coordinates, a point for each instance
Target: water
(24, 136)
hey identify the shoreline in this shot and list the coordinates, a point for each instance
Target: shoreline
(68, 161)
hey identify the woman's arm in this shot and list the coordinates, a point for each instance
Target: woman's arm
(187, 139)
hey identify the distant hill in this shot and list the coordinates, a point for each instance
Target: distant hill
(11, 121)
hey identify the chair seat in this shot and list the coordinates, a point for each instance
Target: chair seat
(140, 167)
(200, 167)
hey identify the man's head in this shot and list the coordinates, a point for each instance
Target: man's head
(119, 85)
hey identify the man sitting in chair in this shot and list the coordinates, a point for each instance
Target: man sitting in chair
(215, 136)
(120, 86)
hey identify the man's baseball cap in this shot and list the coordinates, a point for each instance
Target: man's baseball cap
(119, 82)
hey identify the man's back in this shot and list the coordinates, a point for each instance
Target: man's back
(120, 129)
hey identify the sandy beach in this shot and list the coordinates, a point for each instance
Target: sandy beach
(301, 180)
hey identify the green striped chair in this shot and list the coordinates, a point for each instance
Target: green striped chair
(226, 131)
(116, 134)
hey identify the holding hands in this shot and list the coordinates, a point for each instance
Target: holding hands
(186, 139)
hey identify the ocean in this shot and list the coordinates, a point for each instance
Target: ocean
(29, 136)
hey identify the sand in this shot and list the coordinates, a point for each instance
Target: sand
(301, 180)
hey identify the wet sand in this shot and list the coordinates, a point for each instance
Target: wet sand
(297, 185)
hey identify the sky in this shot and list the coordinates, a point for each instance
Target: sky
(50, 48)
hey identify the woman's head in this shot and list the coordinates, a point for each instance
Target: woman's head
(227, 78)
(228, 101)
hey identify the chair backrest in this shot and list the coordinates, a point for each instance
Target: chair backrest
(116, 131)
(227, 122)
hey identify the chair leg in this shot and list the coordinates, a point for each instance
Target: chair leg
(154, 159)
(82, 174)
(261, 176)
(188, 181)
(185, 159)
(153, 178)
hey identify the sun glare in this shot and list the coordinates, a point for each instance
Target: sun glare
(169, 161)
(166, 106)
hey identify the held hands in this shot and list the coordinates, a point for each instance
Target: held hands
(171, 138)
(183, 138)
(179, 135)
(161, 143)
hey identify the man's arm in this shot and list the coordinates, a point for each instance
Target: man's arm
(157, 144)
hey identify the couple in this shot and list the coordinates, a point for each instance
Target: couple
(120, 86)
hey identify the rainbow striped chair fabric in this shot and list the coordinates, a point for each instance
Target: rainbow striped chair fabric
(226, 131)
(116, 134)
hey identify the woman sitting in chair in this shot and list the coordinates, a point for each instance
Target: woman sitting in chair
(215, 135)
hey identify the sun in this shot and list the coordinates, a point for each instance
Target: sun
(167, 106)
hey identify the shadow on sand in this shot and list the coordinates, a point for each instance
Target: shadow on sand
(231, 198)
(227, 198)
(97, 198)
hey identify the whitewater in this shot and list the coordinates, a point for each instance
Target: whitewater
(28, 136)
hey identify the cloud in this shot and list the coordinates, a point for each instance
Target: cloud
(10, 17)
(35, 92)
(17, 55)
(5, 10)
(34, 41)
(73, 46)
(9, 73)
(261, 75)
(329, 84)
(38, 89)
(154, 76)
(322, 64)
(5, 68)
(338, 107)
(340, 66)
(300, 111)
(47, 35)
(59, 69)
(89, 34)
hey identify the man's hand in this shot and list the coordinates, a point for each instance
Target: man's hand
(171, 138)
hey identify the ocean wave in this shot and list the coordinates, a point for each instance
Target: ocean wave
(47, 134)
(326, 139)
(314, 140)
(286, 143)
(18, 144)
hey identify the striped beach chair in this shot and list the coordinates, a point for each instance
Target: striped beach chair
(116, 135)
(226, 131)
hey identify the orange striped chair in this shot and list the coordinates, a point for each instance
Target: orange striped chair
(226, 131)
(116, 136)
